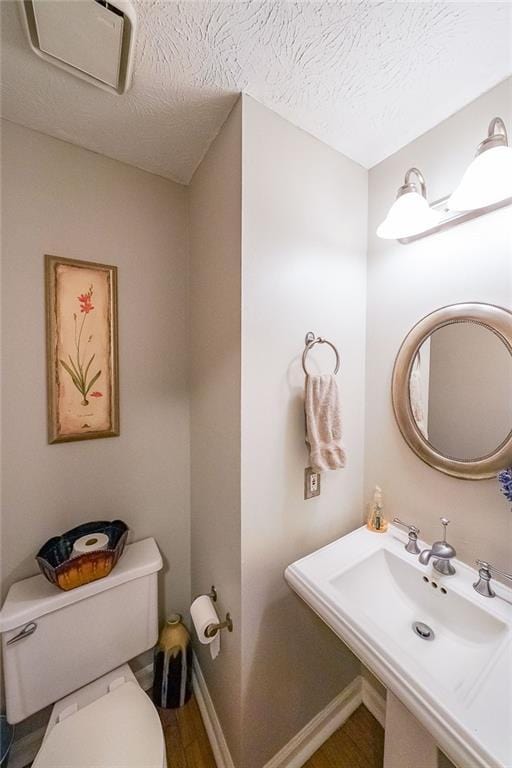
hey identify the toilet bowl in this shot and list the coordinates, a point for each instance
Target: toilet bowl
(70, 649)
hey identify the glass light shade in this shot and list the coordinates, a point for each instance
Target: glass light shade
(488, 180)
(409, 215)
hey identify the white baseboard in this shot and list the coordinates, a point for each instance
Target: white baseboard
(374, 701)
(305, 743)
(319, 729)
(211, 722)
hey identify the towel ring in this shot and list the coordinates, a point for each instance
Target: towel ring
(310, 341)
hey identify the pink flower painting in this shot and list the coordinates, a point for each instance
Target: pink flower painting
(79, 365)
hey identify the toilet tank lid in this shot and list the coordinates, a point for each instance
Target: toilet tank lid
(34, 597)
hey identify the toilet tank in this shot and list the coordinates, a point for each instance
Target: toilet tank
(79, 635)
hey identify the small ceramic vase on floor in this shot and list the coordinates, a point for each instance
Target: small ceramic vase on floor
(172, 686)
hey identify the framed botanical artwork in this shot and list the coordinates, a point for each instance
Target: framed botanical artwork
(82, 355)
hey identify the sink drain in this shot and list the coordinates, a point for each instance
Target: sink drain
(423, 630)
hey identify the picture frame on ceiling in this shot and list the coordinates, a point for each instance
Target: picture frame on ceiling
(82, 350)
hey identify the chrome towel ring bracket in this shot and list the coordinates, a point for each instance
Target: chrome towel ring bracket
(310, 342)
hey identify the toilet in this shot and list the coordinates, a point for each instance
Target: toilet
(70, 649)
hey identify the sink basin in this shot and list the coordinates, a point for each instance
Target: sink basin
(392, 595)
(454, 672)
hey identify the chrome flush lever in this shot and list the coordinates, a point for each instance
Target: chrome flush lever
(27, 630)
(412, 544)
(483, 585)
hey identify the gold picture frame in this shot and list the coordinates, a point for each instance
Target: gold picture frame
(82, 350)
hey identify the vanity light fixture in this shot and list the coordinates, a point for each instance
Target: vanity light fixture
(485, 187)
(410, 214)
(488, 179)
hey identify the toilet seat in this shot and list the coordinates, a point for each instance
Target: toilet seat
(120, 729)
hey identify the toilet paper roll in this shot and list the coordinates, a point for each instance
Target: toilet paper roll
(93, 542)
(203, 614)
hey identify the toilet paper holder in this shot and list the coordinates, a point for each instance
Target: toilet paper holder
(212, 629)
(212, 594)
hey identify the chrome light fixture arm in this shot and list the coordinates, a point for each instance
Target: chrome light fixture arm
(496, 136)
(412, 186)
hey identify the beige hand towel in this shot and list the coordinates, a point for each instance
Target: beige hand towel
(323, 423)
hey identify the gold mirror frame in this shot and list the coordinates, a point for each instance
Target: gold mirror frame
(495, 319)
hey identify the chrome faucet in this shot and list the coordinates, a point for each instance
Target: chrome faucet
(483, 585)
(442, 552)
(412, 544)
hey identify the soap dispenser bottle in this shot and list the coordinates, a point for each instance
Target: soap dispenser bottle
(376, 521)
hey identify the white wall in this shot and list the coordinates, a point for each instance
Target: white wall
(215, 246)
(472, 262)
(270, 251)
(64, 200)
(304, 268)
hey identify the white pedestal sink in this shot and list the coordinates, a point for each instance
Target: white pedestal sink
(457, 681)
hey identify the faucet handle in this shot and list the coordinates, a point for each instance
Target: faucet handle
(492, 569)
(486, 570)
(411, 528)
(412, 544)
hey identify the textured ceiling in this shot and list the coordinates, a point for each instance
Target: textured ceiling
(365, 77)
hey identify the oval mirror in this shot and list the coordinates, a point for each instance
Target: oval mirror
(452, 390)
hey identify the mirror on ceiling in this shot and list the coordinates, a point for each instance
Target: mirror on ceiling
(452, 389)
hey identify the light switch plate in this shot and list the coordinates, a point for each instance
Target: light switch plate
(311, 483)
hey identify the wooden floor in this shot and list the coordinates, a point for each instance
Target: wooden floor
(358, 744)
(185, 737)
